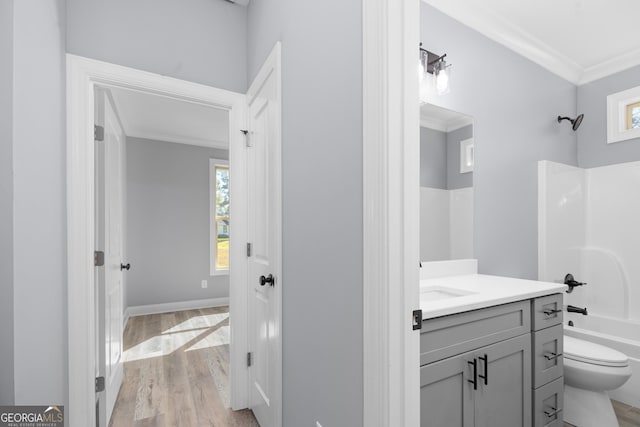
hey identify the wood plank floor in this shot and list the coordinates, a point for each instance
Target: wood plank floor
(628, 416)
(176, 372)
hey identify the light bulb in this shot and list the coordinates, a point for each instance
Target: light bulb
(442, 77)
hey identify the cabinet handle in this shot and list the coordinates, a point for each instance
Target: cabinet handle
(549, 312)
(552, 356)
(554, 412)
(485, 377)
(475, 374)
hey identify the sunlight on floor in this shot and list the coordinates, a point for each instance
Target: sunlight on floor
(195, 333)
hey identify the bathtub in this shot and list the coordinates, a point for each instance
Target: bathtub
(621, 335)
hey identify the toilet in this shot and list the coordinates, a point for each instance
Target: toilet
(590, 370)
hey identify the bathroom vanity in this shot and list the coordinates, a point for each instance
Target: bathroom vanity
(491, 352)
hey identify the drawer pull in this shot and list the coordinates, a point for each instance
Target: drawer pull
(552, 356)
(485, 377)
(475, 374)
(552, 414)
(549, 312)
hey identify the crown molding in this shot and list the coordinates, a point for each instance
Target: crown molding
(612, 66)
(444, 125)
(179, 139)
(501, 31)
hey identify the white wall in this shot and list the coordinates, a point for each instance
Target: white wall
(446, 224)
(613, 211)
(168, 223)
(461, 223)
(561, 218)
(589, 227)
(435, 242)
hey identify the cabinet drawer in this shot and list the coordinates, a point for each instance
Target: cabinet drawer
(447, 336)
(548, 404)
(546, 311)
(547, 355)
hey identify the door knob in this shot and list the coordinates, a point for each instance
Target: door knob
(125, 266)
(269, 279)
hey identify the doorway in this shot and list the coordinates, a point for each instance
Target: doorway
(83, 76)
(162, 201)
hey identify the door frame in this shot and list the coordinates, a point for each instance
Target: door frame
(83, 74)
(391, 176)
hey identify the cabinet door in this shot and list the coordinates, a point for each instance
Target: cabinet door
(505, 399)
(446, 396)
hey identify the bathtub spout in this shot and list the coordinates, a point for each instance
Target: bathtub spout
(574, 309)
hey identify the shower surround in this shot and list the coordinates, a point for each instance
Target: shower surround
(589, 225)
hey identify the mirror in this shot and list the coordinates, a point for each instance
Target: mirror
(446, 184)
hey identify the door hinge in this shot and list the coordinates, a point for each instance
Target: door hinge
(99, 384)
(247, 138)
(98, 133)
(249, 247)
(249, 359)
(417, 319)
(98, 258)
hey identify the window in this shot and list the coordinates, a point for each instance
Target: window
(219, 215)
(623, 115)
(633, 116)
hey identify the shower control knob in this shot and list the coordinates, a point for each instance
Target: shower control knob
(570, 281)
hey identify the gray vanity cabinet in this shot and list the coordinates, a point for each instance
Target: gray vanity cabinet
(454, 392)
(489, 382)
(548, 367)
(498, 366)
(445, 397)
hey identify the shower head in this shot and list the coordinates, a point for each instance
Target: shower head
(575, 123)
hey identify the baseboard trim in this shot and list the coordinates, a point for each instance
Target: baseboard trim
(141, 310)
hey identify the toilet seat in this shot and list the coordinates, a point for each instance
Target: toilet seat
(595, 354)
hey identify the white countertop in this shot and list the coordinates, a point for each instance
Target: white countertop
(476, 291)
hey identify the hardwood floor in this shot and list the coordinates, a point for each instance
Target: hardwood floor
(176, 372)
(628, 416)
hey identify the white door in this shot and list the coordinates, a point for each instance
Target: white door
(264, 232)
(109, 238)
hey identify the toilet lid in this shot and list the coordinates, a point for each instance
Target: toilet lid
(596, 354)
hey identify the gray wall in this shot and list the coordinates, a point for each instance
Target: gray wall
(433, 158)
(168, 223)
(440, 158)
(322, 172)
(455, 179)
(6, 207)
(202, 41)
(514, 103)
(593, 149)
(39, 250)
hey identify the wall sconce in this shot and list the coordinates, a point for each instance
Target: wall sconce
(430, 63)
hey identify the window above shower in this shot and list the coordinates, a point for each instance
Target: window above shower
(623, 115)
